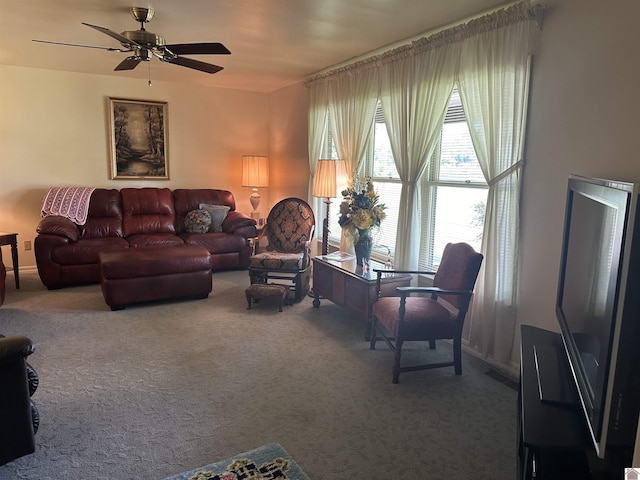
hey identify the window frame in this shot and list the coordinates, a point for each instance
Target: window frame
(428, 184)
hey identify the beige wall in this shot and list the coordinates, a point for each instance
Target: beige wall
(583, 119)
(288, 125)
(54, 131)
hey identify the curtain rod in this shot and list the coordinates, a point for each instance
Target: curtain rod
(522, 11)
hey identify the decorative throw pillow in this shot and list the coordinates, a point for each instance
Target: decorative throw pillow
(218, 214)
(197, 221)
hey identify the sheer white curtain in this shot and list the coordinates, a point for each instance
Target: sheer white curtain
(415, 91)
(318, 104)
(493, 84)
(352, 106)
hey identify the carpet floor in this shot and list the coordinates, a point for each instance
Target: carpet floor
(162, 388)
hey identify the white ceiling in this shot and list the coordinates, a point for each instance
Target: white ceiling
(274, 43)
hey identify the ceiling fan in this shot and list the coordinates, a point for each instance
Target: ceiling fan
(145, 45)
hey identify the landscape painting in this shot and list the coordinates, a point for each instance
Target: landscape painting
(138, 139)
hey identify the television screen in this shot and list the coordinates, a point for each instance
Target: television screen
(590, 306)
(589, 283)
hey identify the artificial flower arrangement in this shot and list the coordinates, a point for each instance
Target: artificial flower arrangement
(360, 210)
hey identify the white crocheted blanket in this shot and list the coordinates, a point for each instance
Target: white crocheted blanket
(70, 202)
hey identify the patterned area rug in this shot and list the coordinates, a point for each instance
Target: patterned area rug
(269, 462)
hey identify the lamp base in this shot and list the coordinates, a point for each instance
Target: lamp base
(255, 215)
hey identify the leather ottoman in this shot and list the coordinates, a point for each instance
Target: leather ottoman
(145, 274)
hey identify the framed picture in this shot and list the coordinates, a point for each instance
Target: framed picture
(138, 139)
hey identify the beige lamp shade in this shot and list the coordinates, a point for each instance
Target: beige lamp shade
(325, 180)
(255, 174)
(331, 175)
(255, 171)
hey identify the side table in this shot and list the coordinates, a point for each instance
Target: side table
(12, 239)
(342, 282)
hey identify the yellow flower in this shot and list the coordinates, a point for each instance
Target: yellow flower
(362, 219)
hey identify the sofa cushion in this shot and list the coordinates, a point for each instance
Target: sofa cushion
(86, 251)
(197, 221)
(216, 242)
(187, 199)
(105, 215)
(218, 214)
(154, 240)
(148, 211)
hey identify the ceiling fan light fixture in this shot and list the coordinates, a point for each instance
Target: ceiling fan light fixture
(142, 14)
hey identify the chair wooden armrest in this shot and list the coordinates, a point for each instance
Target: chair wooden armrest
(433, 290)
(383, 271)
(380, 271)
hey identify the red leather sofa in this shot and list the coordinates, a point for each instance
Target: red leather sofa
(68, 254)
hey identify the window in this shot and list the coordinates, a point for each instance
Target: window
(380, 166)
(453, 191)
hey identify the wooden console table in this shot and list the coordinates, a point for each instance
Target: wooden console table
(345, 285)
(12, 239)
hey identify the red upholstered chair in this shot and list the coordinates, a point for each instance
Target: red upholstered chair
(289, 230)
(437, 312)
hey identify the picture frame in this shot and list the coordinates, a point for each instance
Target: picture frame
(138, 130)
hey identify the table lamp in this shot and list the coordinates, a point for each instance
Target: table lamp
(255, 174)
(330, 175)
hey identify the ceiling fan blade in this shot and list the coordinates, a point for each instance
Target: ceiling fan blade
(214, 48)
(122, 39)
(195, 64)
(128, 63)
(83, 46)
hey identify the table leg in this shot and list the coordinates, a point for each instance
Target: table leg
(14, 258)
(316, 299)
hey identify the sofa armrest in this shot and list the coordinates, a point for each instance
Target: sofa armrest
(14, 348)
(58, 225)
(235, 221)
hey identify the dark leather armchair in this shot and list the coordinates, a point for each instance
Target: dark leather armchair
(3, 279)
(19, 417)
(438, 313)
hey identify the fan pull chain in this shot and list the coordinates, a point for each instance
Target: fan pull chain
(149, 73)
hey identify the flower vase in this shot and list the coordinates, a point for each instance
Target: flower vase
(363, 246)
(346, 242)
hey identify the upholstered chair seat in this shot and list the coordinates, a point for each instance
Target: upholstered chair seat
(424, 318)
(278, 261)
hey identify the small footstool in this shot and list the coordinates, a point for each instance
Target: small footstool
(145, 274)
(256, 291)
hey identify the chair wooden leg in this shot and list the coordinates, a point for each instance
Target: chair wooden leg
(457, 356)
(396, 361)
(372, 334)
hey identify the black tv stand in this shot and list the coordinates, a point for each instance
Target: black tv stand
(553, 440)
(553, 375)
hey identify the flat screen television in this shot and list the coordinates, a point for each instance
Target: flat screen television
(598, 309)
